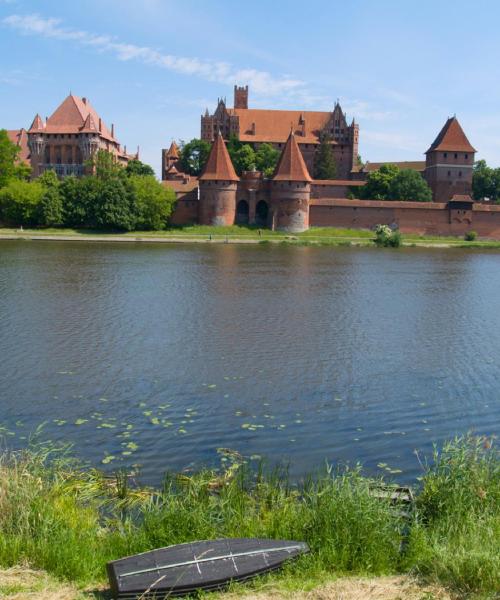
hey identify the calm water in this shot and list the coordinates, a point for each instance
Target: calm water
(166, 353)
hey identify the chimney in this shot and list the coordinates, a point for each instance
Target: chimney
(100, 125)
(137, 155)
(112, 130)
(253, 128)
(84, 100)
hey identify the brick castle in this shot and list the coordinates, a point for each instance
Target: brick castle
(291, 200)
(67, 139)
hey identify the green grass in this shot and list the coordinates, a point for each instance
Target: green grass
(316, 236)
(58, 516)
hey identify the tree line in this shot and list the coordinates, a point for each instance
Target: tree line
(112, 198)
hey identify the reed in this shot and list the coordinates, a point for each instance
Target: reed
(69, 520)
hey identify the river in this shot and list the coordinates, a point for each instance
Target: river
(158, 355)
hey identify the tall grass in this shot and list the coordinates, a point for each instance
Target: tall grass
(58, 516)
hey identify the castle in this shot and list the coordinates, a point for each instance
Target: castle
(67, 139)
(291, 200)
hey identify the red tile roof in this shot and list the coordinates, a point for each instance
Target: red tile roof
(182, 186)
(20, 138)
(219, 165)
(291, 165)
(452, 138)
(173, 151)
(262, 125)
(461, 198)
(369, 167)
(74, 115)
(37, 124)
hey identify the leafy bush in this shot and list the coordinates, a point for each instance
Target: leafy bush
(19, 202)
(387, 237)
(470, 236)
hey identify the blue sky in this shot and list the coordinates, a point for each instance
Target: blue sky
(153, 66)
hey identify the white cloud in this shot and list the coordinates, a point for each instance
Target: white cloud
(261, 82)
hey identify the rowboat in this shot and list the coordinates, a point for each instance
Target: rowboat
(208, 565)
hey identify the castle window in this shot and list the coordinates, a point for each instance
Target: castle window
(445, 155)
(456, 155)
(449, 173)
(460, 173)
(466, 156)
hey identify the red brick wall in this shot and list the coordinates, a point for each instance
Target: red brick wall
(411, 217)
(185, 211)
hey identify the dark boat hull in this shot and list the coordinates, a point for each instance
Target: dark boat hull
(207, 565)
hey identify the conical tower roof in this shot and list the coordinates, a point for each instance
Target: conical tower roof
(291, 165)
(37, 124)
(219, 165)
(452, 138)
(173, 151)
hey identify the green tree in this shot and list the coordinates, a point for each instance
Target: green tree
(409, 185)
(153, 202)
(19, 202)
(266, 159)
(50, 208)
(378, 183)
(193, 156)
(137, 167)
(485, 182)
(113, 207)
(10, 167)
(105, 166)
(244, 159)
(324, 162)
(75, 196)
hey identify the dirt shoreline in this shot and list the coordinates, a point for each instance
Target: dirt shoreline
(19, 583)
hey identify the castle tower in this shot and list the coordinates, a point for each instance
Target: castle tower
(240, 97)
(449, 163)
(36, 143)
(291, 190)
(169, 159)
(218, 184)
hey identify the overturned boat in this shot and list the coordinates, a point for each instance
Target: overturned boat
(207, 565)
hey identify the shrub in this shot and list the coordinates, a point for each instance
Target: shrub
(470, 236)
(19, 202)
(387, 237)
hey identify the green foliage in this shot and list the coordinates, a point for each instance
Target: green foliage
(409, 185)
(154, 202)
(324, 162)
(137, 167)
(19, 202)
(104, 165)
(194, 155)
(485, 182)
(10, 168)
(244, 159)
(387, 237)
(74, 200)
(470, 236)
(113, 206)
(266, 159)
(455, 540)
(378, 183)
(68, 520)
(50, 208)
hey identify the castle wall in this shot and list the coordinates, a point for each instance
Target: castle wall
(429, 218)
(186, 210)
(290, 206)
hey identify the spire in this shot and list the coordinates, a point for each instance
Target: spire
(37, 124)
(219, 165)
(452, 138)
(173, 151)
(291, 165)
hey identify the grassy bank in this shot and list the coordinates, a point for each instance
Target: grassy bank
(68, 521)
(316, 236)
